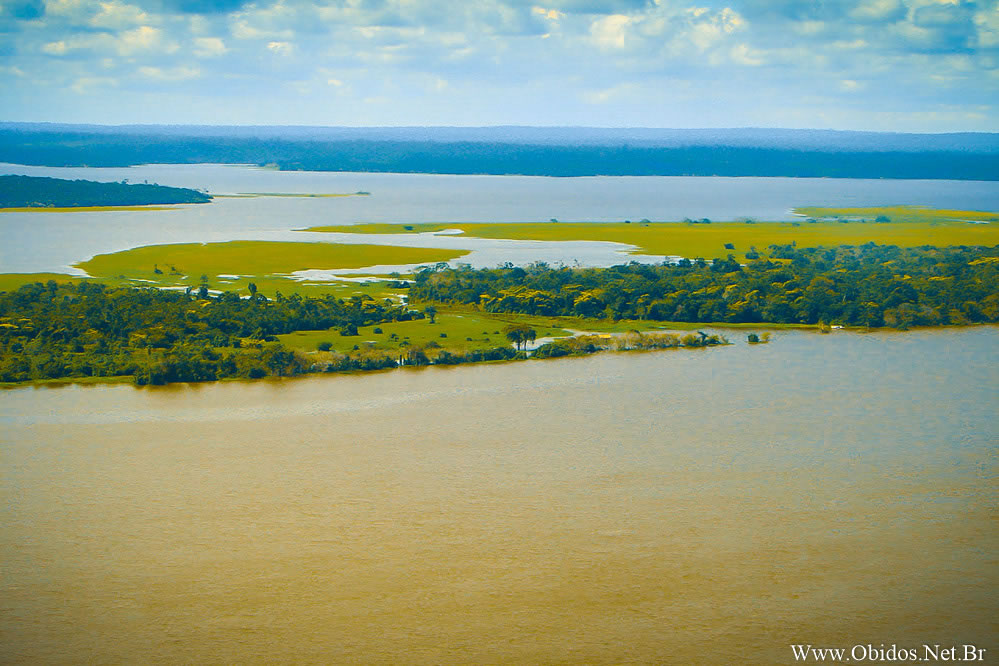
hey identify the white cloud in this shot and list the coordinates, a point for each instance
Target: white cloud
(241, 29)
(118, 15)
(742, 54)
(208, 47)
(170, 74)
(809, 28)
(987, 27)
(550, 14)
(280, 48)
(145, 39)
(87, 84)
(72, 9)
(607, 95)
(875, 10)
(55, 48)
(609, 32)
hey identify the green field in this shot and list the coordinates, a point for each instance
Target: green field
(897, 214)
(264, 263)
(485, 330)
(12, 281)
(909, 227)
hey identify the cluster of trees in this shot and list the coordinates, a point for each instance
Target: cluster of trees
(32, 192)
(631, 341)
(869, 285)
(88, 330)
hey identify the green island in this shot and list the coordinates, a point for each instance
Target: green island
(86, 330)
(905, 226)
(228, 265)
(30, 193)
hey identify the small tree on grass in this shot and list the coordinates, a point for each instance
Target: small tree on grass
(520, 335)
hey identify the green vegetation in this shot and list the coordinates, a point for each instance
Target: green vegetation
(869, 285)
(32, 192)
(12, 281)
(88, 332)
(467, 330)
(697, 239)
(54, 331)
(267, 264)
(884, 214)
(631, 341)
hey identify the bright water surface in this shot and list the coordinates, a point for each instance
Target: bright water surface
(55, 241)
(680, 507)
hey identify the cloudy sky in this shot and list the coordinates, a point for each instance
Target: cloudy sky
(902, 65)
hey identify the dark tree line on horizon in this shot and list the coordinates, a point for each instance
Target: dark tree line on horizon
(105, 148)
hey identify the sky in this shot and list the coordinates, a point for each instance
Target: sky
(884, 65)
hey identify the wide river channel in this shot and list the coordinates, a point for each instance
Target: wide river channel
(684, 507)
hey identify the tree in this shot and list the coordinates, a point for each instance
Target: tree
(520, 335)
(253, 291)
(431, 312)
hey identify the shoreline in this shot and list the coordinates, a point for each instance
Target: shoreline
(62, 382)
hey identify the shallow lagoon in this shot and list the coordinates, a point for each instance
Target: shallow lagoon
(54, 241)
(709, 506)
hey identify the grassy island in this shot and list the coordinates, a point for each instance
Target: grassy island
(33, 193)
(905, 226)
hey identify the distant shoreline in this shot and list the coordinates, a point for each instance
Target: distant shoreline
(557, 152)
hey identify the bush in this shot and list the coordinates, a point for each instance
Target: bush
(324, 346)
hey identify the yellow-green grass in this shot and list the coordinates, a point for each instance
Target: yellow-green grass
(709, 240)
(898, 214)
(12, 281)
(266, 285)
(265, 263)
(87, 209)
(484, 329)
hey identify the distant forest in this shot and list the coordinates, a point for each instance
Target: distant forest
(523, 151)
(32, 192)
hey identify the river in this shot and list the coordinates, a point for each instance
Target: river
(691, 506)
